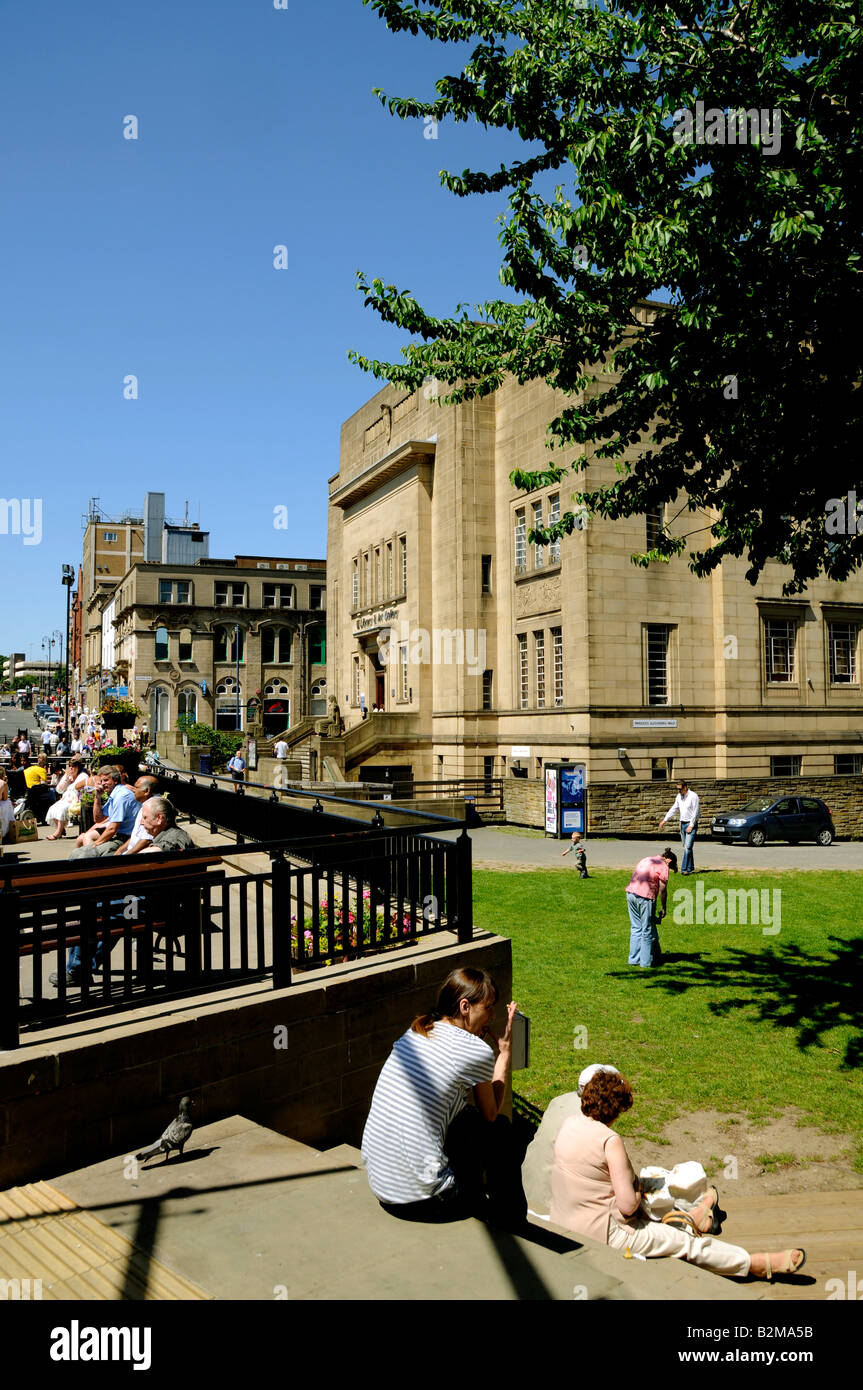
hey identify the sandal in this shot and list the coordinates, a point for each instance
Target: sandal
(788, 1265)
(708, 1225)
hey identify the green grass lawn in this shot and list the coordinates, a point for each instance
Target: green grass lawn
(736, 1020)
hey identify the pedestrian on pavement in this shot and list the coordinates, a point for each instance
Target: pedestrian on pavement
(688, 807)
(281, 750)
(237, 767)
(649, 881)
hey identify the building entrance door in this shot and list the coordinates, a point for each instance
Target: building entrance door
(381, 689)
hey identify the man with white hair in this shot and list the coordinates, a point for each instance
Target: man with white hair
(158, 817)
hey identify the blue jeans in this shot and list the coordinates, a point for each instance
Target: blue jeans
(687, 838)
(73, 957)
(643, 935)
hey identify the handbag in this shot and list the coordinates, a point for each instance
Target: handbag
(26, 828)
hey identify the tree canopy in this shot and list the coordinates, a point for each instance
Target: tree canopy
(711, 159)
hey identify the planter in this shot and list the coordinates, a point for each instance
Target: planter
(118, 721)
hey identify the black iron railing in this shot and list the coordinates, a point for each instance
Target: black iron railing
(180, 924)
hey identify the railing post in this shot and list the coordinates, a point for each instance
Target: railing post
(10, 941)
(464, 880)
(280, 922)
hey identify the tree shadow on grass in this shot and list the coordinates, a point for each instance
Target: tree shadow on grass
(812, 993)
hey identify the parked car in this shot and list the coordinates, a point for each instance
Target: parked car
(792, 818)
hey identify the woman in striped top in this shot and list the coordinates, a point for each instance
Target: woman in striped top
(425, 1149)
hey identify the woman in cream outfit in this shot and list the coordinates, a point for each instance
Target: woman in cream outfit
(69, 789)
(595, 1193)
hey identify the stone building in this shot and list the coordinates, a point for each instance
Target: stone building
(488, 655)
(221, 641)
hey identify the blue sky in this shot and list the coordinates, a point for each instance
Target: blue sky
(154, 257)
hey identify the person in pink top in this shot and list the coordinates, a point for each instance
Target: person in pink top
(649, 881)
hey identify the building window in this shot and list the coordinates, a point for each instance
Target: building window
(486, 574)
(166, 591)
(225, 644)
(229, 704)
(557, 641)
(185, 647)
(847, 764)
(538, 548)
(657, 665)
(228, 595)
(367, 578)
(276, 645)
(316, 597)
(553, 518)
(355, 585)
(843, 653)
(520, 542)
(539, 663)
(780, 639)
(318, 703)
(523, 677)
(187, 705)
(403, 670)
(390, 571)
(379, 574)
(110, 537)
(161, 644)
(787, 765)
(487, 689)
(184, 591)
(318, 646)
(660, 769)
(403, 562)
(358, 680)
(279, 595)
(654, 522)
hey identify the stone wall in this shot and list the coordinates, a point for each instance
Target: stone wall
(67, 1103)
(635, 808)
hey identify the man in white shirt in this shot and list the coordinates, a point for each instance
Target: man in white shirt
(145, 788)
(281, 750)
(687, 806)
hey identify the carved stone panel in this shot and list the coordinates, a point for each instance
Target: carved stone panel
(538, 596)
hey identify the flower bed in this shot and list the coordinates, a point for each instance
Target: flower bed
(348, 931)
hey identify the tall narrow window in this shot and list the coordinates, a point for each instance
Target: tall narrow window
(367, 562)
(843, 653)
(403, 670)
(318, 646)
(487, 689)
(553, 517)
(538, 547)
(185, 646)
(161, 644)
(780, 638)
(184, 591)
(379, 575)
(355, 584)
(657, 665)
(520, 542)
(358, 680)
(165, 591)
(390, 570)
(486, 574)
(557, 649)
(403, 562)
(523, 674)
(539, 658)
(654, 520)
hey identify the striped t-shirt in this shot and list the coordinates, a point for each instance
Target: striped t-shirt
(425, 1082)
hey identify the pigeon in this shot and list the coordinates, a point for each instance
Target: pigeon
(175, 1135)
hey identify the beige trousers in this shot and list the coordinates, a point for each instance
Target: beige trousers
(652, 1239)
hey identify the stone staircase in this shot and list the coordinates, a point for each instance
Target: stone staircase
(250, 1214)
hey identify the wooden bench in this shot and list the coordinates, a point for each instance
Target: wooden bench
(49, 884)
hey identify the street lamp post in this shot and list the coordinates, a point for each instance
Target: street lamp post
(58, 642)
(68, 577)
(47, 645)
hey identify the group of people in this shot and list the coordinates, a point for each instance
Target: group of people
(430, 1156)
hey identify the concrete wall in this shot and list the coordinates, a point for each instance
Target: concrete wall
(65, 1104)
(615, 808)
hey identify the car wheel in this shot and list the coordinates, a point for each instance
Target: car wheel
(825, 836)
(756, 837)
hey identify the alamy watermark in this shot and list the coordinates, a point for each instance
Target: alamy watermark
(715, 126)
(443, 646)
(22, 516)
(843, 516)
(718, 907)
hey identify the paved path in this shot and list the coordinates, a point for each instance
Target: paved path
(502, 848)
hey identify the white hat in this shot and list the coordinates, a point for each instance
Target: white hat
(590, 1072)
